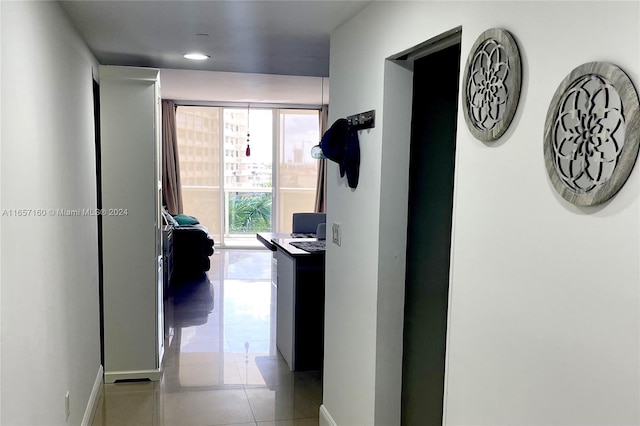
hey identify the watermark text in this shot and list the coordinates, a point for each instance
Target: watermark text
(59, 212)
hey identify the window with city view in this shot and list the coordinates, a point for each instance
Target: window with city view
(236, 196)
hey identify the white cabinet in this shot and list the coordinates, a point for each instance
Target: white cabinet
(285, 338)
(300, 307)
(130, 122)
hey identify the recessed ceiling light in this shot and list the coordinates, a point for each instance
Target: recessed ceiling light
(196, 56)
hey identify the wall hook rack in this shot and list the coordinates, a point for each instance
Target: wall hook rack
(364, 120)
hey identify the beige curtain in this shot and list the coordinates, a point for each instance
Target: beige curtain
(171, 188)
(321, 186)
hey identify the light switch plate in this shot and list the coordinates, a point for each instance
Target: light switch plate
(336, 233)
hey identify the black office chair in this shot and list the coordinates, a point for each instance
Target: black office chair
(307, 223)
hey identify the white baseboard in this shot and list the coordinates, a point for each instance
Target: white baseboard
(93, 399)
(325, 418)
(113, 376)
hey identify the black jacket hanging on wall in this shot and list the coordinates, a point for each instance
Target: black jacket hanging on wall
(340, 144)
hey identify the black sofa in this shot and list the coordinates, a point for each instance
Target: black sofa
(192, 246)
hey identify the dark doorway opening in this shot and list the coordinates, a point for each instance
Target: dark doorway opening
(431, 181)
(96, 121)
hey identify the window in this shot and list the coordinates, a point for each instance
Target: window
(235, 195)
(298, 171)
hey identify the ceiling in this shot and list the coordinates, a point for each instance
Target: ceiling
(265, 37)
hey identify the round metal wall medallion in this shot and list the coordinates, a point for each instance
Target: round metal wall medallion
(492, 81)
(591, 133)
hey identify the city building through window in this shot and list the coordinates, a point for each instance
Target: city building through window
(236, 196)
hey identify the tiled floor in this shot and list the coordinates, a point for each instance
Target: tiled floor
(221, 366)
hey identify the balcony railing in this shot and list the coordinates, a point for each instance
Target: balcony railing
(244, 211)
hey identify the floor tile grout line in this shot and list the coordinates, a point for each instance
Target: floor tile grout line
(253, 414)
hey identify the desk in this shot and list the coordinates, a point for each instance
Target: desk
(266, 238)
(299, 280)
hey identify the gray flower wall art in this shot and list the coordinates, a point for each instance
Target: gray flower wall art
(492, 82)
(591, 133)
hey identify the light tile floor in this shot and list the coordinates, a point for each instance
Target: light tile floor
(221, 365)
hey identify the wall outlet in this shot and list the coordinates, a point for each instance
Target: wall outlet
(336, 234)
(67, 409)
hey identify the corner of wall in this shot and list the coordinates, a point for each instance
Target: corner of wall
(325, 417)
(93, 399)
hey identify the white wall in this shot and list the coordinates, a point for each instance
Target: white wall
(49, 307)
(544, 315)
(208, 86)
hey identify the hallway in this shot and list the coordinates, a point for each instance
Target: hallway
(221, 364)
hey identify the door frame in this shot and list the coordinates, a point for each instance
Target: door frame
(396, 138)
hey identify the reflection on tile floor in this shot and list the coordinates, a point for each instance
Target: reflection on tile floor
(221, 365)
